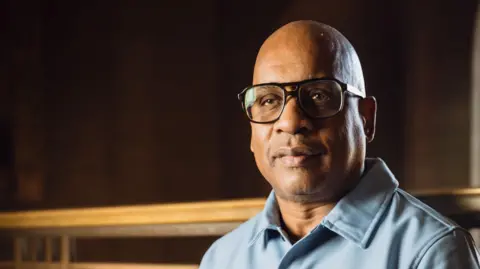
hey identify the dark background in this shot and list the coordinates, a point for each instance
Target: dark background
(134, 102)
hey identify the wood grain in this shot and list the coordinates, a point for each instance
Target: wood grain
(151, 220)
(115, 231)
(45, 265)
(200, 212)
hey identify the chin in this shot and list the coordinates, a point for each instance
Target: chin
(306, 184)
(299, 182)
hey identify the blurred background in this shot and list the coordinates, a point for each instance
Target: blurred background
(106, 103)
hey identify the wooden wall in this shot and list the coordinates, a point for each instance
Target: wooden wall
(133, 102)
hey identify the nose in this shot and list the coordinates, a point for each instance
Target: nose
(293, 120)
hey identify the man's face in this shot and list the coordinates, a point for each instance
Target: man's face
(308, 159)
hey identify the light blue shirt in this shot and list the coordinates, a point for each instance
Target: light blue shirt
(375, 226)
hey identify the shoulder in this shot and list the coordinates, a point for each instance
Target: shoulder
(452, 249)
(409, 209)
(420, 231)
(232, 243)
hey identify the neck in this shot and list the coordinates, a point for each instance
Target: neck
(299, 219)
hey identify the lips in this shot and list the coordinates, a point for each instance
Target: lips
(297, 156)
(295, 161)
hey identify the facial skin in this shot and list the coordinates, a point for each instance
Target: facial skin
(299, 51)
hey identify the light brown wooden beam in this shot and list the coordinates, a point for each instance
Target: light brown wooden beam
(190, 219)
(43, 265)
(445, 192)
(159, 230)
(198, 212)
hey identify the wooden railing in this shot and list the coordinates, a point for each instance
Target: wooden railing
(167, 220)
(29, 229)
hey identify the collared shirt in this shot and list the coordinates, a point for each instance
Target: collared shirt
(376, 226)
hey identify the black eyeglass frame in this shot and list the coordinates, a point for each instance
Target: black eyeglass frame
(297, 85)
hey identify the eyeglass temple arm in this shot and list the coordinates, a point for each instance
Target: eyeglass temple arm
(355, 91)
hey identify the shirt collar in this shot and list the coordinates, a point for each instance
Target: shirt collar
(269, 218)
(355, 216)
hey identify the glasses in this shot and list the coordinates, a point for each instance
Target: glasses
(318, 98)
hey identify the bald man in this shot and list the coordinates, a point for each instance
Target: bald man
(330, 207)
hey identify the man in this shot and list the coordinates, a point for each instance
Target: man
(330, 206)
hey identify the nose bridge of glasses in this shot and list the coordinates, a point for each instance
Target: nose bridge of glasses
(292, 104)
(292, 118)
(291, 87)
(291, 90)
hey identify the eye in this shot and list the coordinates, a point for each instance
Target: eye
(319, 96)
(270, 100)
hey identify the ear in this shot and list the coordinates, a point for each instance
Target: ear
(368, 112)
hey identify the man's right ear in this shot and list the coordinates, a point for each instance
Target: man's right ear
(368, 112)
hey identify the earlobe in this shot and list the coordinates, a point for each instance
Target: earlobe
(371, 135)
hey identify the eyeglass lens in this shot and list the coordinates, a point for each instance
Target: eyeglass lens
(318, 99)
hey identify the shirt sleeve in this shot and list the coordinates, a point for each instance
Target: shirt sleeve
(207, 261)
(455, 250)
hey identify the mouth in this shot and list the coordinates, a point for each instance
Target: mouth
(297, 157)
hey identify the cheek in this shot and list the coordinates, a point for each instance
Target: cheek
(349, 137)
(340, 134)
(260, 137)
(259, 144)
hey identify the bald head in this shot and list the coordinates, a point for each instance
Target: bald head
(310, 159)
(306, 49)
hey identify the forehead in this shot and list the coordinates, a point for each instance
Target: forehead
(295, 62)
(288, 72)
